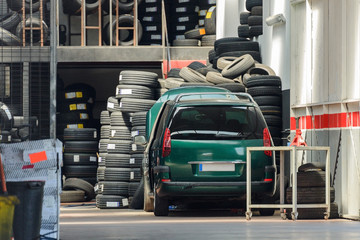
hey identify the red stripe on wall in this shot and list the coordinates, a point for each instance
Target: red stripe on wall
(335, 120)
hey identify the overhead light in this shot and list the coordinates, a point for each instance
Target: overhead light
(275, 19)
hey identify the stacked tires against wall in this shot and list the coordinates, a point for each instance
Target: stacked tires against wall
(11, 24)
(150, 18)
(182, 30)
(251, 22)
(80, 164)
(311, 190)
(120, 159)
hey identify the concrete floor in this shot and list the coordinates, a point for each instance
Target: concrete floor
(88, 222)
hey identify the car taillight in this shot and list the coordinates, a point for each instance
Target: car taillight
(166, 150)
(267, 141)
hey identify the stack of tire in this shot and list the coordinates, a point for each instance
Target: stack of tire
(311, 190)
(150, 18)
(12, 24)
(80, 154)
(251, 22)
(182, 16)
(76, 108)
(204, 6)
(119, 174)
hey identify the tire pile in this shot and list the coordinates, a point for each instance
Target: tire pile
(311, 190)
(12, 23)
(251, 22)
(80, 154)
(187, 20)
(75, 107)
(120, 159)
(150, 18)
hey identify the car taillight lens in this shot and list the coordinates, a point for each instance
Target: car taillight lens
(267, 141)
(166, 150)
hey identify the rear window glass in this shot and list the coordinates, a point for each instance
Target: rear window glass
(216, 123)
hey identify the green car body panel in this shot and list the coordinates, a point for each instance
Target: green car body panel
(204, 167)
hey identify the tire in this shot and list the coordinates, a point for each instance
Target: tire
(79, 171)
(132, 188)
(261, 69)
(139, 119)
(124, 7)
(122, 174)
(80, 92)
(233, 87)
(161, 205)
(6, 117)
(255, 20)
(72, 196)
(229, 40)
(196, 65)
(115, 160)
(103, 145)
(224, 61)
(188, 84)
(206, 70)
(105, 118)
(75, 117)
(114, 188)
(119, 133)
(264, 91)
(79, 184)
(244, 31)
(143, 78)
(273, 121)
(238, 66)
(131, 105)
(252, 3)
(271, 110)
(185, 42)
(119, 146)
(311, 179)
(102, 159)
(105, 132)
(80, 134)
(120, 119)
(173, 82)
(208, 40)
(100, 174)
(190, 75)
(10, 21)
(125, 20)
(112, 104)
(217, 78)
(34, 22)
(275, 132)
(237, 46)
(210, 21)
(197, 33)
(268, 100)
(111, 202)
(313, 166)
(174, 73)
(81, 147)
(8, 39)
(244, 17)
(80, 159)
(258, 81)
(211, 55)
(16, 5)
(5, 137)
(138, 131)
(310, 195)
(134, 91)
(138, 197)
(136, 160)
(255, 31)
(257, 11)
(256, 55)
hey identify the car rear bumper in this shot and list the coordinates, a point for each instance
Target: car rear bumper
(226, 189)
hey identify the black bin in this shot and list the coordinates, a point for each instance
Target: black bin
(27, 214)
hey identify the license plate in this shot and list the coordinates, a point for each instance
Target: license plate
(216, 167)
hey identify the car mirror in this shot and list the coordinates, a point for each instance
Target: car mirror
(140, 140)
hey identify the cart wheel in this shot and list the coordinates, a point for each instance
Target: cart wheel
(326, 215)
(294, 215)
(248, 215)
(283, 216)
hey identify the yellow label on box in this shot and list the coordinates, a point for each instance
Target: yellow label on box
(79, 94)
(202, 31)
(72, 107)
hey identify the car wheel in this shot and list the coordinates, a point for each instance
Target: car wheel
(161, 205)
(266, 211)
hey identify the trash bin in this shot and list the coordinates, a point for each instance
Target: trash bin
(27, 215)
(7, 205)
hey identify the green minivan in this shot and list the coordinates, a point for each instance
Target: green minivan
(196, 148)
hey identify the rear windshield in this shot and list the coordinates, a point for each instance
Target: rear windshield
(216, 123)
